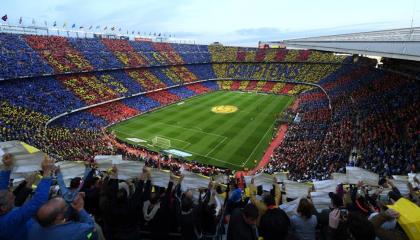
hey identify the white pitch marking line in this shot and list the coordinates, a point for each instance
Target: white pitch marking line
(224, 139)
(257, 145)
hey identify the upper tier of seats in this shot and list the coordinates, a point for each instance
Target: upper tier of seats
(32, 55)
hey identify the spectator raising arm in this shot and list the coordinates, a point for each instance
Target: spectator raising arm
(12, 221)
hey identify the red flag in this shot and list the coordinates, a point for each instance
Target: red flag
(4, 18)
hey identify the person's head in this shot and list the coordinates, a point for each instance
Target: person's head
(75, 182)
(383, 182)
(122, 195)
(154, 197)
(393, 196)
(336, 201)
(360, 227)
(250, 214)
(269, 199)
(52, 212)
(186, 204)
(7, 201)
(339, 190)
(305, 208)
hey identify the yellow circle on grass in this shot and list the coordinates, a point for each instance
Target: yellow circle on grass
(224, 109)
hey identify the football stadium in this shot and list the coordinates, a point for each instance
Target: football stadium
(113, 129)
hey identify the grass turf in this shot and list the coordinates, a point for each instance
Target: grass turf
(235, 140)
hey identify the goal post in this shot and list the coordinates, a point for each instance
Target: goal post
(161, 142)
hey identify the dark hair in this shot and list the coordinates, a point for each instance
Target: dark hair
(360, 227)
(269, 199)
(251, 211)
(186, 204)
(260, 190)
(394, 195)
(305, 208)
(382, 181)
(75, 182)
(122, 196)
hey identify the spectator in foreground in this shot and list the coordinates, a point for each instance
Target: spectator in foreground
(13, 220)
(275, 223)
(242, 224)
(304, 223)
(51, 224)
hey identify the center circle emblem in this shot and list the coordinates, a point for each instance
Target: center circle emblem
(224, 109)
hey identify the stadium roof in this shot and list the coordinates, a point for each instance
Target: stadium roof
(401, 43)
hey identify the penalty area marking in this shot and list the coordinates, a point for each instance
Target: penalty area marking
(188, 151)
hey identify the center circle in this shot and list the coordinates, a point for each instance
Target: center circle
(224, 109)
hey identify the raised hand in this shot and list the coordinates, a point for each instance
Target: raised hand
(78, 202)
(47, 166)
(7, 161)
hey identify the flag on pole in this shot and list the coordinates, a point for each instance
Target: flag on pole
(97, 27)
(90, 27)
(74, 25)
(105, 28)
(113, 28)
(4, 18)
(20, 20)
(55, 23)
(65, 24)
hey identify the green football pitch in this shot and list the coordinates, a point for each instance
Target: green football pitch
(224, 129)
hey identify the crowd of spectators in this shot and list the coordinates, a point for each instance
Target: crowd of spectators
(58, 52)
(373, 113)
(17, 59)
(100, 205)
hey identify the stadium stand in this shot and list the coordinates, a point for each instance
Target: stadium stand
(367, 118)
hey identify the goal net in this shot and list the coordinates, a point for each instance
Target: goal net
(161, 142)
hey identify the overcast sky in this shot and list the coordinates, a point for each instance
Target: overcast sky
(232, 22)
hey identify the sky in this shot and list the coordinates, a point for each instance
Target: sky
(231, 22)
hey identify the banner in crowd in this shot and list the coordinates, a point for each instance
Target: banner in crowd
(194, 181)
(26, 158)
(326, 185)
(129, 169)
(340, 177)
(261, 179)
(296, 189)
(409, 218)
(355, 174)
(401, 183)
(290, 207)
(71, 169)
(321, 200)
(160, 177)
(106, 162)
(266, 180)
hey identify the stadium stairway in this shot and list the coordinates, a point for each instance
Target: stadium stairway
(267, 155)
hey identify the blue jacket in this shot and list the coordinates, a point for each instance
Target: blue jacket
(13, 223)
(69, 231)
